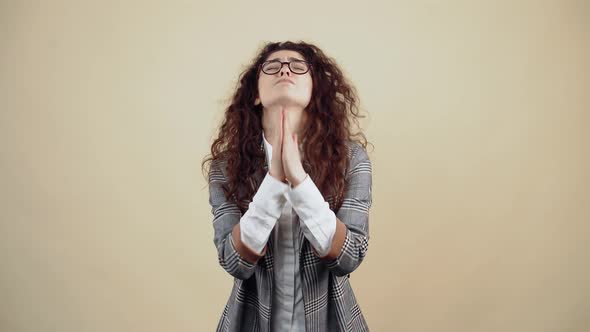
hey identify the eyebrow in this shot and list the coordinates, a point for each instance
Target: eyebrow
(289, 58)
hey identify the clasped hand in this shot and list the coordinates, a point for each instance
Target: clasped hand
(286, 163)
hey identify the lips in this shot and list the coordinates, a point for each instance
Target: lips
(285, 80)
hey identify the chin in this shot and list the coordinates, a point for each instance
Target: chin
(291, 100)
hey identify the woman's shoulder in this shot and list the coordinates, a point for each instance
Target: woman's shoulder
(217, 170)
(356, 152)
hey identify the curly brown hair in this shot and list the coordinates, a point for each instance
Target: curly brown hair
(332, 112)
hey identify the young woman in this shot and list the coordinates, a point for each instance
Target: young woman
(290, 191)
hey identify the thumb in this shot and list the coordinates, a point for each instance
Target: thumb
(283, 125)
(279, 137)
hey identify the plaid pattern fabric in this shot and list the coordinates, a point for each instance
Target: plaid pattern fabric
(329, 301)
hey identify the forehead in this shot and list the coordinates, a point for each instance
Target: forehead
(285, 55)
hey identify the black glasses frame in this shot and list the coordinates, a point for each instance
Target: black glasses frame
(289, 65)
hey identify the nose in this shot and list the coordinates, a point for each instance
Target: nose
(285, 70)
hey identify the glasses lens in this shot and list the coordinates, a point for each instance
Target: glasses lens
(299, 67)
(271, 67)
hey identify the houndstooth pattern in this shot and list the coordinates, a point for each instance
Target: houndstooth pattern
(329, 301)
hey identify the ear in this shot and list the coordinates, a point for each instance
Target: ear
(257, 101)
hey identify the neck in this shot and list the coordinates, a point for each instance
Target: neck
(271, 120)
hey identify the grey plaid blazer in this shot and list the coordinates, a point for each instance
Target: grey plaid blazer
(329, 301)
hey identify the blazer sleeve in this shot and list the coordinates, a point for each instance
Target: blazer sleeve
(226, 215)
(354, 213)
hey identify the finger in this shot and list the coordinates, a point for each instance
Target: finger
(286, 138)
(285, 143)
(296, 145)
(282, 129)
(276, 135)
(287, 126)
(279, 125)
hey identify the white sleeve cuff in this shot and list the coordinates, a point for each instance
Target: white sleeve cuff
(264, 210)
(318, 221)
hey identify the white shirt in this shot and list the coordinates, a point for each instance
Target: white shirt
(271, 211)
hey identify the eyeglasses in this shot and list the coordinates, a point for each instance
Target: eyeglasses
(298, 67)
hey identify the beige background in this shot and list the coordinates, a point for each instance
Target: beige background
(478, 112)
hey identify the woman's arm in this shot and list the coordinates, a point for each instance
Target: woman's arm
(351, 238)
(318, 222)
(235, 250)
(263, 212)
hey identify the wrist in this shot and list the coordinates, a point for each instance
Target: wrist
(270, 196)
(298, 179)
(279, 178)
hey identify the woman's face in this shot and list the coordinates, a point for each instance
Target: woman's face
(275, 89)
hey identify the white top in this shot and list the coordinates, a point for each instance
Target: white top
(271, 211)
